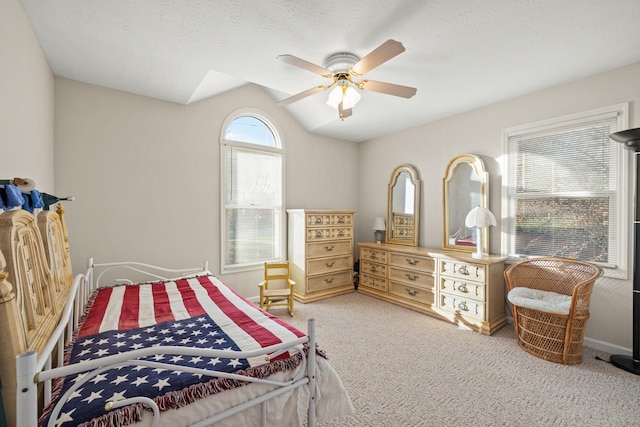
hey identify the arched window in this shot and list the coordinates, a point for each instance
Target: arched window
(252, 218)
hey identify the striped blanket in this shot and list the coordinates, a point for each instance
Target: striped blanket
(196, 312)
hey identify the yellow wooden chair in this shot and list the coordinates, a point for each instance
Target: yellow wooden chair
(277, 287)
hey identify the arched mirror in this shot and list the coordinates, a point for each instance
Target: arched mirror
(465, 186)
(403, 206)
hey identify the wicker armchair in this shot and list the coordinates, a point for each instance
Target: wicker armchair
(550, 299)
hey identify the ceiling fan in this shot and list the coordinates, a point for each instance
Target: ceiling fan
(343, 68)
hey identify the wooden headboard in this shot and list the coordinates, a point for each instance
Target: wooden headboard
(35, 277)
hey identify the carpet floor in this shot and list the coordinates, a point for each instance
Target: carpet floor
(403, 368)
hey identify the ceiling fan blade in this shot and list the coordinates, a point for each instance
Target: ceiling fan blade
(301, 95)
(388, 88)
(377, 56)
(306, 65)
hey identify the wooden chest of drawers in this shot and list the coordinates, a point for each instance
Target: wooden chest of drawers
(448, 285)
(320, 252)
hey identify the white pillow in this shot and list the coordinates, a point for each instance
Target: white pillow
(546, 301)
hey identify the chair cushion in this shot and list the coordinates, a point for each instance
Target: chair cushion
(549, 302)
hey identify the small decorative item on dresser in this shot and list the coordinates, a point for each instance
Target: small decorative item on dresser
(378, 227)
(479, 218)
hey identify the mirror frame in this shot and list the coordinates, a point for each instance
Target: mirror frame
(478, 168)
(413, 228)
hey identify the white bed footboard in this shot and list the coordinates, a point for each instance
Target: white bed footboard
(29, 376)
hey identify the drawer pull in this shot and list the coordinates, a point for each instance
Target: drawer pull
(411, 292)
(330, 264)
(411, 261)
(328, 281)
(341, 233)
(373, 269)
(341, 220)
(463, 288)
(412, 277)
(329, 248)
(374, 256)
(463, 270)
(463, 306)
(318, 220)
(318, 233)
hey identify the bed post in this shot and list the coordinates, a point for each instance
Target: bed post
(27, 392)
(311, 372)
(60, 212)
(13, 339)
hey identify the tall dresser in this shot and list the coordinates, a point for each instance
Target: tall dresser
(320, 252)
(451, 286)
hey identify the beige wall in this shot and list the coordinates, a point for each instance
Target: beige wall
(26, 101)
(430, 147)
(138, 166)
(146, 174)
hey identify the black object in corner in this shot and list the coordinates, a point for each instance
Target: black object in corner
(631, 140)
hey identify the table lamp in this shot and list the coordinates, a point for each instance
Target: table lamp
(479, 218)
(379, 227)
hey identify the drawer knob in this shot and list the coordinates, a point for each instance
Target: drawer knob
(411, 292)
(412, 277)
(463, 306)
(318, 233)
(328, 281)
(411, 261)
(341, 220)
(329, 248)
(318, 220)
(373, 269)
(463, 288)
(341, 233)
(463, 270)
(329, 264)
(374, 256)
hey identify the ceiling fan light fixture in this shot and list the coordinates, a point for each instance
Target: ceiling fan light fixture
(342, 67)
(344, 93)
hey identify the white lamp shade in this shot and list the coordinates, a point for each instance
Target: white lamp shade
(378, 224)
(480, 217)
(345, 94)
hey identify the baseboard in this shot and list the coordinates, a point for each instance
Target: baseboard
(607, 347)
(597, 344)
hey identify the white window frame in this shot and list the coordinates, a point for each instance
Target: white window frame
(278, 149)
(620, 235)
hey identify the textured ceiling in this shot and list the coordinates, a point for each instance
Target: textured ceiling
(460, 54)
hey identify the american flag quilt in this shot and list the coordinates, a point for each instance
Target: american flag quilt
(196, 312)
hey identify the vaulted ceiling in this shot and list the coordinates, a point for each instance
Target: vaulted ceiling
(460, 54)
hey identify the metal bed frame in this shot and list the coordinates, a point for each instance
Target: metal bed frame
(34, 369)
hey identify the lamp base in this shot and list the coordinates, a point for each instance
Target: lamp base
(625, 362)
